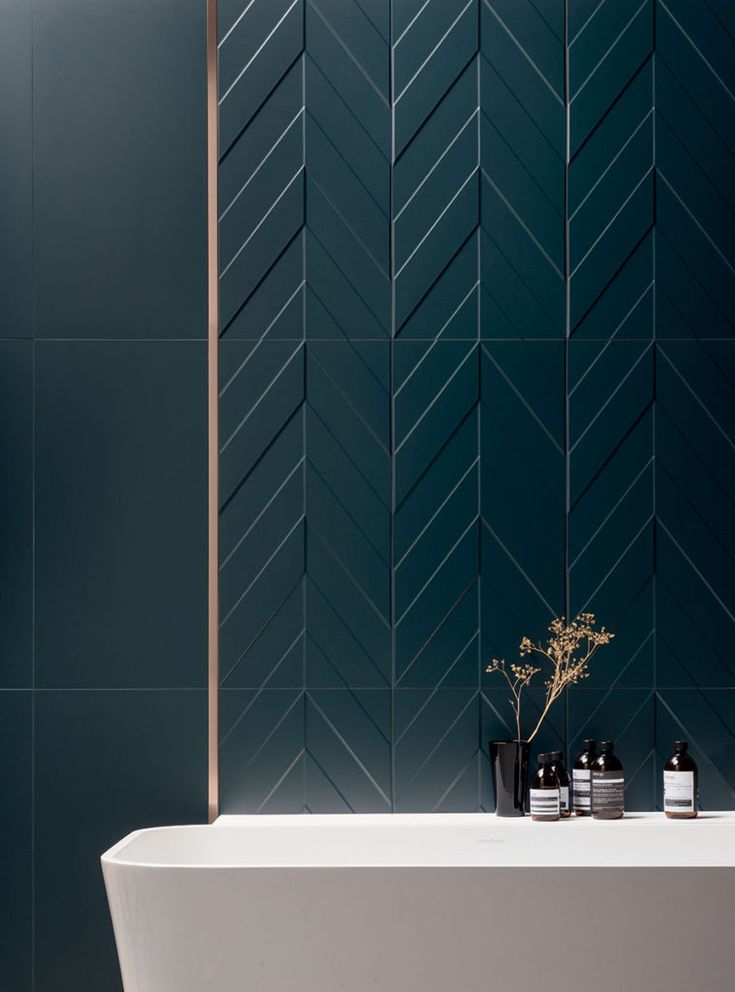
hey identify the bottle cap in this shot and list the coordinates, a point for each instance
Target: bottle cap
(681, 746)
(543, 759)
(589, 744)
(606, 747)
(556, 757)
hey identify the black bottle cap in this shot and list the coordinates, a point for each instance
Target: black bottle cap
(556, 757)
(681, 746)
(543, 759)
(606, 747)
(589, 744)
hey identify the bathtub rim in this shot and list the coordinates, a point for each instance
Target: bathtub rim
(114, 857)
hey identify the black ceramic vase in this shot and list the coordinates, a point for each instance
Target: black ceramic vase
(509, 762)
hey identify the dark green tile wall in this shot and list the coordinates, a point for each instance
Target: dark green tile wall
(476, 369)
(477, 273)
(103, 381)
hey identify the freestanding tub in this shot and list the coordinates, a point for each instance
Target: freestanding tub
(434, 903)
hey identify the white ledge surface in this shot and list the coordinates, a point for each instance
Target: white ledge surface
(403, 840)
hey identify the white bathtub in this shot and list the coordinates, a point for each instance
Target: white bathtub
(435, 903)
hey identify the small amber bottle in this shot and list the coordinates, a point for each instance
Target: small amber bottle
(608, 785)
(545, 791)
(582, 778)
(681, 784)
(557, 764)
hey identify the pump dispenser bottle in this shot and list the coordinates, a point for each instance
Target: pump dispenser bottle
(557, 763)
(608, 783)
(681, 784)
(545, 791)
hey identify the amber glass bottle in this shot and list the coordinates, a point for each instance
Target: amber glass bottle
(608, 784)
(557, 764)
(581, 778)
(681, 784)
(544, 791)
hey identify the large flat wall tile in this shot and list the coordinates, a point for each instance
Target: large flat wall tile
(16, 313)
(16, 513)
(106, 763)
(119, 169)
(121, 514)
(16, 925)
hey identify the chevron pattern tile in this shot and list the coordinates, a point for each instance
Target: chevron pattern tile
(347, 147)
(611, 494)
(631, 713)
(523, 122)
(348, 640)
(522, 491)
(477, 317)
(348, 763)
(695, 447)
(695, 99)
(436, 518)
(611, 171)
(706, 719)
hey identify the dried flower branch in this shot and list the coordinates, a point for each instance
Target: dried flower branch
(568, 651)
(521, 677)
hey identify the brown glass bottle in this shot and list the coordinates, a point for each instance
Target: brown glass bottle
(582, 779)
(557, 764)
(681, 784)
(608, 784)
(544, 791)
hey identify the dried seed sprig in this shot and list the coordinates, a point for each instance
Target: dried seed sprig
(568, 651)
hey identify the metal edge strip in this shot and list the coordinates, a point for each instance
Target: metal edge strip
(212, 421)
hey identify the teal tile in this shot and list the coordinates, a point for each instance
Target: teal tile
(16, 871)
(119, 170)
(107, 763)
(436, 750)
(16, 513)
(16, 248)
(121, 524)
(705, 718)
(627, 717)
(262, 751)
(348, 755)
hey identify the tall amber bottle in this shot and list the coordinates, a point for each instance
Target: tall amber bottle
(544, 791)
(608, 784)
(557, 763)
(681, 784)
(582, 779)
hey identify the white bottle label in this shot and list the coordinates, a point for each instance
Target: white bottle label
(564, 798)
(544, 802)
(581, 782)
(608, 792)
(678, 792)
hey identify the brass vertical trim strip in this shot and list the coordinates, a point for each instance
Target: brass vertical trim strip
(212, 418)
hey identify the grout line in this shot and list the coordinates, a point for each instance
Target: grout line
(478, 83)
(304, 338)
(567, 333)
(212, 419)
(34, 330)
(391, 379)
